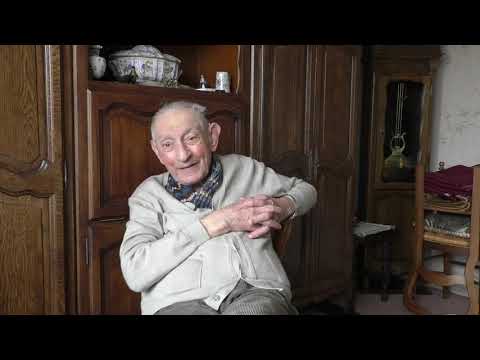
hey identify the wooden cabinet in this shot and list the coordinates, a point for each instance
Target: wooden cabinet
(113, 156)
(32, 273)
(399, 126)
(305, 113)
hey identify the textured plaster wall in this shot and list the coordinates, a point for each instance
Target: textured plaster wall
(456, 116)
(456, 107)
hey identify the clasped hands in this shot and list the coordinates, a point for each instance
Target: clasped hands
(256, 215)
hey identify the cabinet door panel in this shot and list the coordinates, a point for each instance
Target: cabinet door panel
(109, 294)
(31, 181)
(280, 131)
(338, 67)
(124, 155)
(397, 207)
(336, 110)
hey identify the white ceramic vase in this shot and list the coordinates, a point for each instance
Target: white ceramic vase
(98, 65)
(94, 49)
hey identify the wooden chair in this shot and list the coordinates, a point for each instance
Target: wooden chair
(448, 244)
(281, 237)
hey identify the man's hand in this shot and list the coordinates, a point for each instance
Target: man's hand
(256, 215)
(253, 215)
(287, 208)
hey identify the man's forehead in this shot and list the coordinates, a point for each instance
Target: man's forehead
(178, 120)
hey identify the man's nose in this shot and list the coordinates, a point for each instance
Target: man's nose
(183, 152)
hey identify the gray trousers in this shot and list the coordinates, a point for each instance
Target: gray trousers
(243, 300)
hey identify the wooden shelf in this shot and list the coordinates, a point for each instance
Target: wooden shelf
(206, 60)
(195, 60)
(444, 239)
(449, 211)
(125, 88)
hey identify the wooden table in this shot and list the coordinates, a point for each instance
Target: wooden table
(366, 233)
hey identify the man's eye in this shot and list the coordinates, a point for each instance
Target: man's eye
(193, 138)
(166, 146)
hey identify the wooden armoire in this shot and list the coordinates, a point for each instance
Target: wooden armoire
(295, 107)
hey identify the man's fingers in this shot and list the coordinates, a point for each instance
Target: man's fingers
(266, 212)
(262, 230)
(256, 201)
(245, 203)
(259, 200)
(262, 200)
(273, 224)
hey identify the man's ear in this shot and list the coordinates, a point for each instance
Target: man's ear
(214, 130)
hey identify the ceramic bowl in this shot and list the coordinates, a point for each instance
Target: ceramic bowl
(149, 64)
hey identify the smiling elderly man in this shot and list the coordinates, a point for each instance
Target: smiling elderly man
(198, 239)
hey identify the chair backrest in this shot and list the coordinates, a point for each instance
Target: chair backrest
(281, 237)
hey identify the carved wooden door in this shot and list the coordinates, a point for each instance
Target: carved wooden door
(31, 181)
(282, 134)
(335, 105)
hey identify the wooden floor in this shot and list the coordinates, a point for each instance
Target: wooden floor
(370, 304)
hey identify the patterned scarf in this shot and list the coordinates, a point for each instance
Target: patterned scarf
(202, 198)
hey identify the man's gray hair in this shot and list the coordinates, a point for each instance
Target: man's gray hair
(197, 110)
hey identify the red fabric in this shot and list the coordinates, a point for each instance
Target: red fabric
(456, 180)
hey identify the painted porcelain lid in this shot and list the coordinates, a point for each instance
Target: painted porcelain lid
(144, 51)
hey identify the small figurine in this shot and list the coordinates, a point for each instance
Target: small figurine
(132, 77)
(203, 83)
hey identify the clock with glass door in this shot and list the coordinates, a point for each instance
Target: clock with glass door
(402, 111)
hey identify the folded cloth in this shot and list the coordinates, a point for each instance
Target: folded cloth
(457, 203)
(363, 229)
(450, 224)
(456, 180)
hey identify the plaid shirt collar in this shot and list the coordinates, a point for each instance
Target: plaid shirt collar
(202, 197)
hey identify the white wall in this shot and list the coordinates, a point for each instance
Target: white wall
(456, 107)
(456, 115)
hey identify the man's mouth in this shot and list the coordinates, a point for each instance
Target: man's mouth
(187, 167)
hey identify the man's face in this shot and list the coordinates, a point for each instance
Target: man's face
(183, 147)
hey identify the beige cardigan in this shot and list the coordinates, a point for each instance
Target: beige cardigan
(166, 253)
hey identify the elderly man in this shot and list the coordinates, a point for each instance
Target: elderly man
(198, 239)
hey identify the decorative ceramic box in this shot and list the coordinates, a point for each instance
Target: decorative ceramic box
(145, 63)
